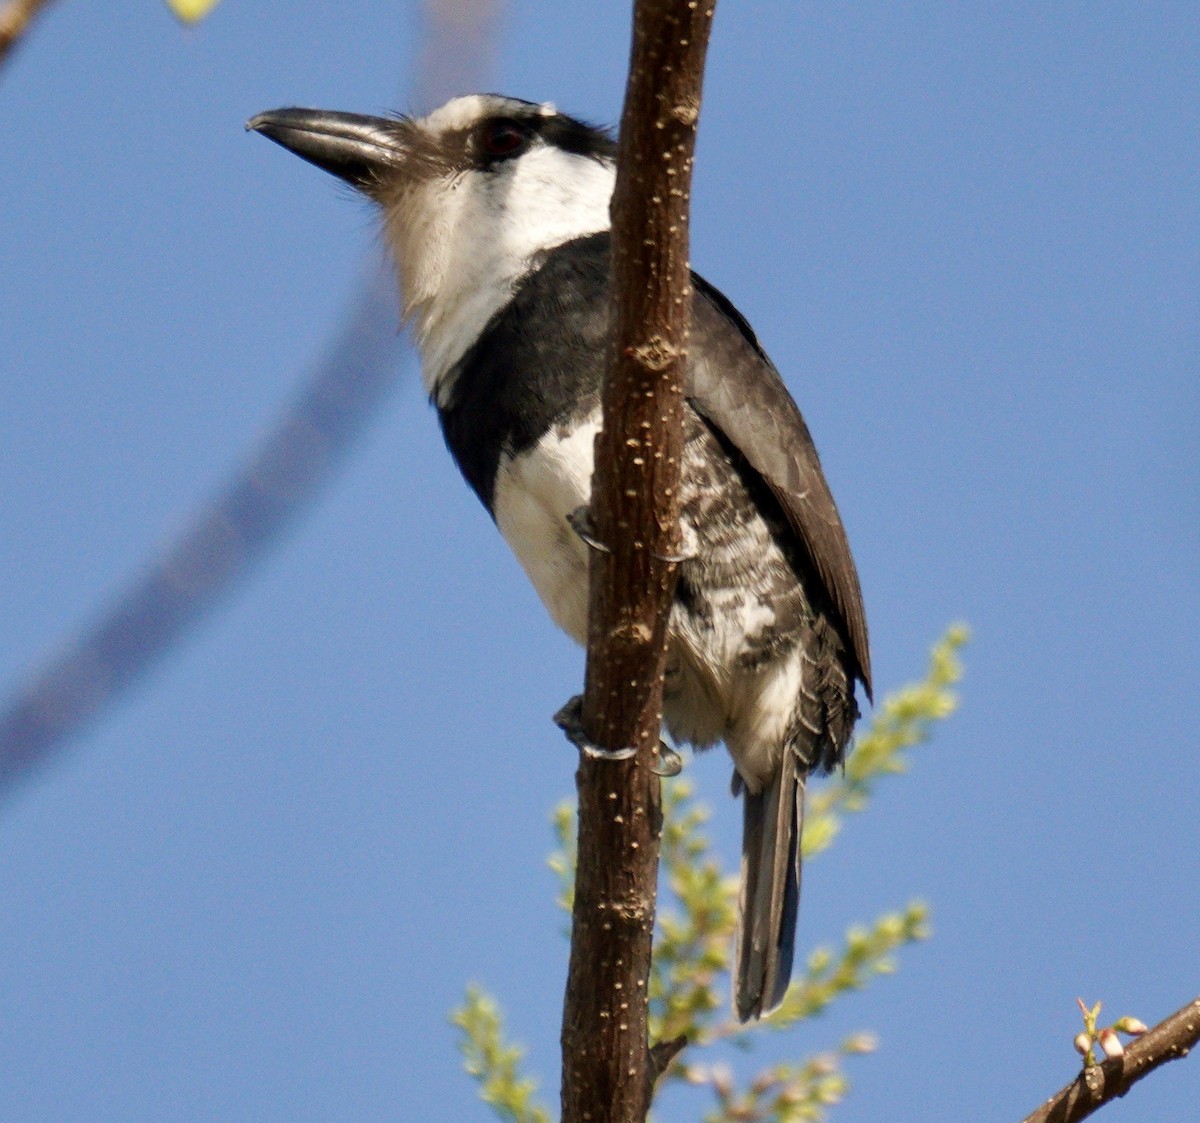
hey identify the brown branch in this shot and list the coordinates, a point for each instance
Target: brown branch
(16, 18)
(1098, 1084)
(608, 1073)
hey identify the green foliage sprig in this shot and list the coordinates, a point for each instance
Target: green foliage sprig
(902, 721)
(494, 1062)
(689, 975)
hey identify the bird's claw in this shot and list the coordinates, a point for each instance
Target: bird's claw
(570, 720)
(581, 522)
(669, 762)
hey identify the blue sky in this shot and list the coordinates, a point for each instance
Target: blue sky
(968, 237)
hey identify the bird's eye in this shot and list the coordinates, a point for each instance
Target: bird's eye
(503, 137)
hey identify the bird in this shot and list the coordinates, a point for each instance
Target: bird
(496, 211)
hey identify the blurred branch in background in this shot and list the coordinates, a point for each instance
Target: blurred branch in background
(283, 475)
(219, 545)
(16, 18)
(458, 49)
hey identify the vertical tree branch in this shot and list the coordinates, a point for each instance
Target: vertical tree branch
(608, 1073)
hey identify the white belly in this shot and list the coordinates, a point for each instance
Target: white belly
(711, 694)
(533, 495)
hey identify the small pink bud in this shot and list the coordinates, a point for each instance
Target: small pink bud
(763, 1083)
(722, 1080)
(822, 1064)
(1135, 1027)
(1083, 1043)
(1110, 1043)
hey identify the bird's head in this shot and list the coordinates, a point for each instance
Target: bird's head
(471, 195)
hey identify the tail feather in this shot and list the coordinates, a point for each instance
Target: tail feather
(770, 891)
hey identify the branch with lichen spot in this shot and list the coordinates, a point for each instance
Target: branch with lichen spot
(609, 1068)
(1098, 1084)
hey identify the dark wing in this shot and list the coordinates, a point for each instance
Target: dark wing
(733, 384)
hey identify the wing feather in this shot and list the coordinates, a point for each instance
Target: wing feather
(735, 386)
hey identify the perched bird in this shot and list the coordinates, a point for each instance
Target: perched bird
(497, 212)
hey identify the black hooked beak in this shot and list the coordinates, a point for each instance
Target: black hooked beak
(361, 150)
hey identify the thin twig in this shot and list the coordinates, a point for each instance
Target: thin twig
(608, 1071)
(1098, 1084)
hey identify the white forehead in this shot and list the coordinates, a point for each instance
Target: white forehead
(462, 112)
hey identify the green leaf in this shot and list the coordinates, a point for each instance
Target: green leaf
(902, 721)
(493, 1062)
(191, 11)
(689, 977)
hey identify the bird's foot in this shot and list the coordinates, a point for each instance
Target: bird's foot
(668, 763)
(570, 720)
(581, 522)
